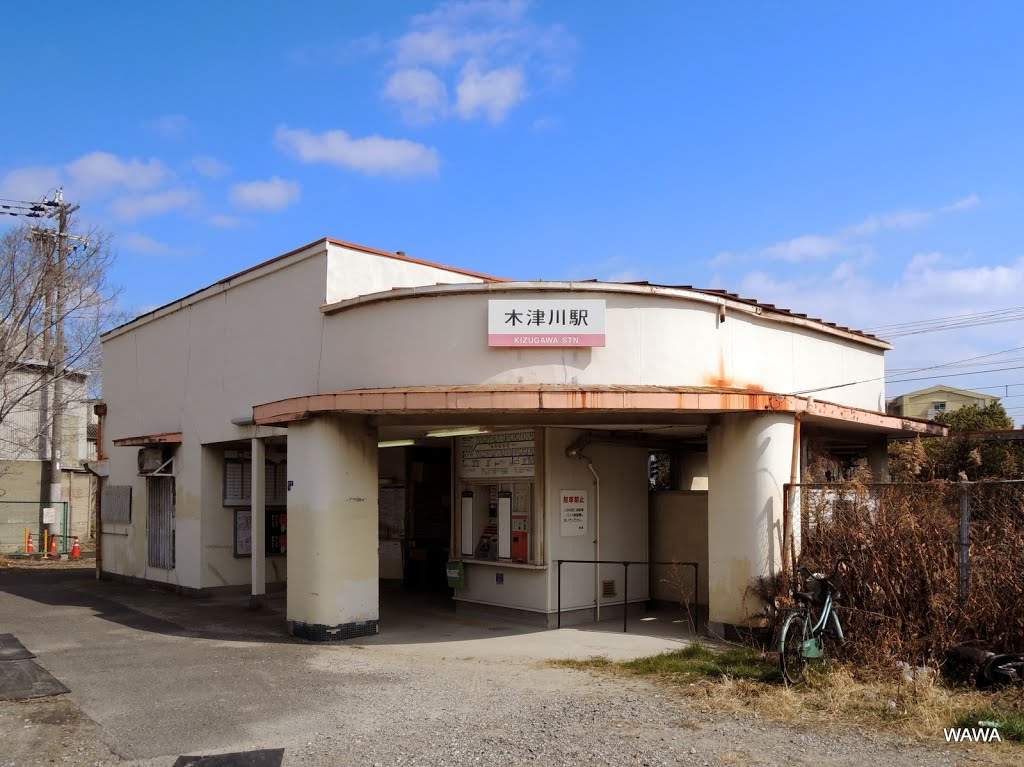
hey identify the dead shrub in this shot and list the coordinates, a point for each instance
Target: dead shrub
(900, 600)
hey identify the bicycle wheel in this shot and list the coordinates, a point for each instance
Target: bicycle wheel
(791, 648)
(1004, 669)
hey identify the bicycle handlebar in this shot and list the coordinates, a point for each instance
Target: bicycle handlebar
(835, 572)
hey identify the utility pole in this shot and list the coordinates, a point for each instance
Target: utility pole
(56, 363)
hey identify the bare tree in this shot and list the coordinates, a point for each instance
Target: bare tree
(54, 304)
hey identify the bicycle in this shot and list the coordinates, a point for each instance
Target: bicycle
(986, 669)
(804, 632)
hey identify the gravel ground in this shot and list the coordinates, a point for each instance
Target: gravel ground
(145, 692)
(471, 713)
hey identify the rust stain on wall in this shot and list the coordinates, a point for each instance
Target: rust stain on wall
(722, 381)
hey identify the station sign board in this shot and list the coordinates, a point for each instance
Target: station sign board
(534, 323)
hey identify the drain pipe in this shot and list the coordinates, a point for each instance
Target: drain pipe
(792, 499)
(100, 409)
(575, 450)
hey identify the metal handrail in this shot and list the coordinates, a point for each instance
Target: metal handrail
(625, 579)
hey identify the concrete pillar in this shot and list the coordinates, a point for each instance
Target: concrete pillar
(749, 460)
(258, 563)
(332, 529)
(878, 459)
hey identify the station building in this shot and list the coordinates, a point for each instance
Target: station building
(340, 418)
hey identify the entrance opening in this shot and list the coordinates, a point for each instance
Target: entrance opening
(415, 517)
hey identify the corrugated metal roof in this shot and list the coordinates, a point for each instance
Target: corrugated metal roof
(756, 303)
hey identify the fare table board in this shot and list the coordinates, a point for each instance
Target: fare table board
(276, 532)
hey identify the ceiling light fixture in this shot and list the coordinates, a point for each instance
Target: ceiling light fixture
(463, 431)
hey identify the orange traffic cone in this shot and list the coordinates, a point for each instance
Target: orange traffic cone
(29, 548)
(53, 546)
(76, 550)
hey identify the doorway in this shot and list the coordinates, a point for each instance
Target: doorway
(428, 518)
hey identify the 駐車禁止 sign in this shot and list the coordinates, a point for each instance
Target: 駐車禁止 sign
(549, 322)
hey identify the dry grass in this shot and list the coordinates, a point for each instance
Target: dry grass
(744, 681)
(26, 563)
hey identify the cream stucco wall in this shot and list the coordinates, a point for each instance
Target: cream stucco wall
(623, 511)
(196, 364)
(623, 525)
(679, 533)
(750, 456)
(332, 523)
(352, 272)
(651, 340)
(193, 370)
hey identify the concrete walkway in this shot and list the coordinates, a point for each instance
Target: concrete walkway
(412, 624)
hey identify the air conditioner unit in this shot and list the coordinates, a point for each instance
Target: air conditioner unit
(150, 459)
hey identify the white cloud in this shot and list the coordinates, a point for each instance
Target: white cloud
(926, 281)
(546, 124)
(904, 219)
(30, 184)
(492, 94)
(210, 167)
(132, 208)
(171, 126)
(273, 194)
(495, 48)
(419, 93)
(722, 258)
(98, 172)
(968, 202)
(815, 246)
(224, 221)
(931, 285)
(141, 243)
(373, 155)
(461, 29)
(804, 247)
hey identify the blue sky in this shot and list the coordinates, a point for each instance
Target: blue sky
(860, 162)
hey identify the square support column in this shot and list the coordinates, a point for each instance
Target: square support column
(259, 524)
(749, 460)
(878, 459)
(332, 529)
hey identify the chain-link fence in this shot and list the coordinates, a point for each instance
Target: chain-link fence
(932, 563)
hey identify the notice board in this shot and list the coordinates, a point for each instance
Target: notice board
(276, 532)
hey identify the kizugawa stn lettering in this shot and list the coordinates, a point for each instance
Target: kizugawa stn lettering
(341, 417)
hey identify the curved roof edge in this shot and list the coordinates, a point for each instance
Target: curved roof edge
(713, 297)
(536, 399)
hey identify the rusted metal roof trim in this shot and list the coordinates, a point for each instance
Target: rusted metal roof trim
(552, 398)
(167, 438)
(713, 298)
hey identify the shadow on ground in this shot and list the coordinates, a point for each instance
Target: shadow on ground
(406, 618)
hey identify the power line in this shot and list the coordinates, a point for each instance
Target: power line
(948, 375)
(908, 371)
(26, 208)
(973, 319)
